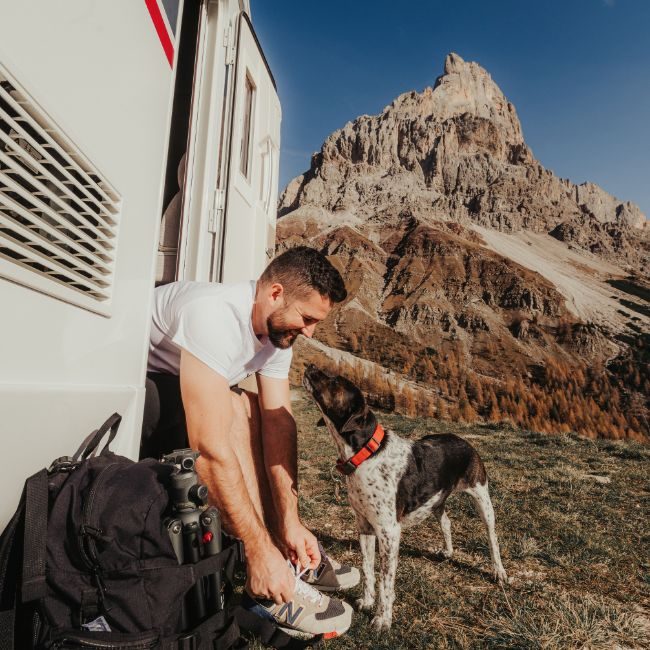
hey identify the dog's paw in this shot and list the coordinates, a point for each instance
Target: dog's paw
(500, 576)
(381, 623)
(364, 605)
(443, 553)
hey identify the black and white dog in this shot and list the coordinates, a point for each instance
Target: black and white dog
(393, 483)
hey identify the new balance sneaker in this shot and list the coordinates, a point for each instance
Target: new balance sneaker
(309, 613)
(331, 575)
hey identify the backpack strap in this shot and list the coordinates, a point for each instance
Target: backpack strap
(9, 573)
(90, 444)
(218, 632)
(26, 552)
(222, 561)
(35, 537)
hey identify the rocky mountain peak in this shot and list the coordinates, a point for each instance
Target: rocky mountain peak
(407, 129)
(454, 63)
(466, 87)
(456, 152)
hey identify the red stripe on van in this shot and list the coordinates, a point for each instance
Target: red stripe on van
(161, 29)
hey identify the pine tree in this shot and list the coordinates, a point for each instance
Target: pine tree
(441, 409)
(467, 413)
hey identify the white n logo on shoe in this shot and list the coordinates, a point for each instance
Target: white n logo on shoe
(291, 615)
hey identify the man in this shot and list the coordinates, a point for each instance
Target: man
(205, 339)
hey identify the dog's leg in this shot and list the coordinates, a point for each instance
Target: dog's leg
(445, 524)
(388, 555)
(367, 542)
(483, 503)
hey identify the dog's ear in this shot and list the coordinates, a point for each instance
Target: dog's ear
(356, 421)
(351, 423)
(321, 422)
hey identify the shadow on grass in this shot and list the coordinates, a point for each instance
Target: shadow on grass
(406, 550)
(329, 540)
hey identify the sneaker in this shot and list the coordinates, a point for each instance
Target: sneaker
(310, 613)
(331, 575)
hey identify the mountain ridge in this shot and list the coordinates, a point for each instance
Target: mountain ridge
(454, 239)
(422, 135)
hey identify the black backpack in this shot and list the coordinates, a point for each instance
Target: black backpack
(86, 562)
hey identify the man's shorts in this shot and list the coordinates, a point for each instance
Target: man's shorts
(163, 427)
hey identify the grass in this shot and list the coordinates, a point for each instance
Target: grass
(572, 521)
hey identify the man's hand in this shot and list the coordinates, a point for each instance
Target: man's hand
(268, 575)
(300, 545)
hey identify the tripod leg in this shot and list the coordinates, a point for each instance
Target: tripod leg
(211, 525)
(192, 554)
(175, 532)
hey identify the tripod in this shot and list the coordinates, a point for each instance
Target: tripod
(195, 532)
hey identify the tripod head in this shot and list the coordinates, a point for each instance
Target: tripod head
(186, 494)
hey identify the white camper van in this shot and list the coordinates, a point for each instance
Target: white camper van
(117, 116)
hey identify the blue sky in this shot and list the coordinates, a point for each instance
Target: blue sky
(578, 72)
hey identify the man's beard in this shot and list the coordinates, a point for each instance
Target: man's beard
(280, 336)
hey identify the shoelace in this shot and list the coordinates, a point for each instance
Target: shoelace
(304, 589)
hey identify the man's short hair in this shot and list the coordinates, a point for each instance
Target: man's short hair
(302, 269)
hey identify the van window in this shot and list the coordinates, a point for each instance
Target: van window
(244, 152)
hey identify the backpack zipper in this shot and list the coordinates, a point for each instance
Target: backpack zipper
(36, 628)
(83, 642)
(88, 534)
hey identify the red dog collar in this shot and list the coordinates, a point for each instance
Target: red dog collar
(348, 466)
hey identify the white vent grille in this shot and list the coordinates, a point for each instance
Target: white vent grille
(58, 216)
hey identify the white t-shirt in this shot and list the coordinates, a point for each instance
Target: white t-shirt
(212, 322)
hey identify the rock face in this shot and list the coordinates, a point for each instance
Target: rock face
(470, 265)
(456, 152)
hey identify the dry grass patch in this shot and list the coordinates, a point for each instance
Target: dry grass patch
(571, 621)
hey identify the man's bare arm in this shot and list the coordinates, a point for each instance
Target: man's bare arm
(208, 411)
(279, 440)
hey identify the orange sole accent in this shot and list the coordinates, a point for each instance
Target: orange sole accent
(330, 635)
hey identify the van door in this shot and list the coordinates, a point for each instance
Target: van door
(248, 235)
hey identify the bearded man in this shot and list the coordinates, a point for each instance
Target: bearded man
(205, 339)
